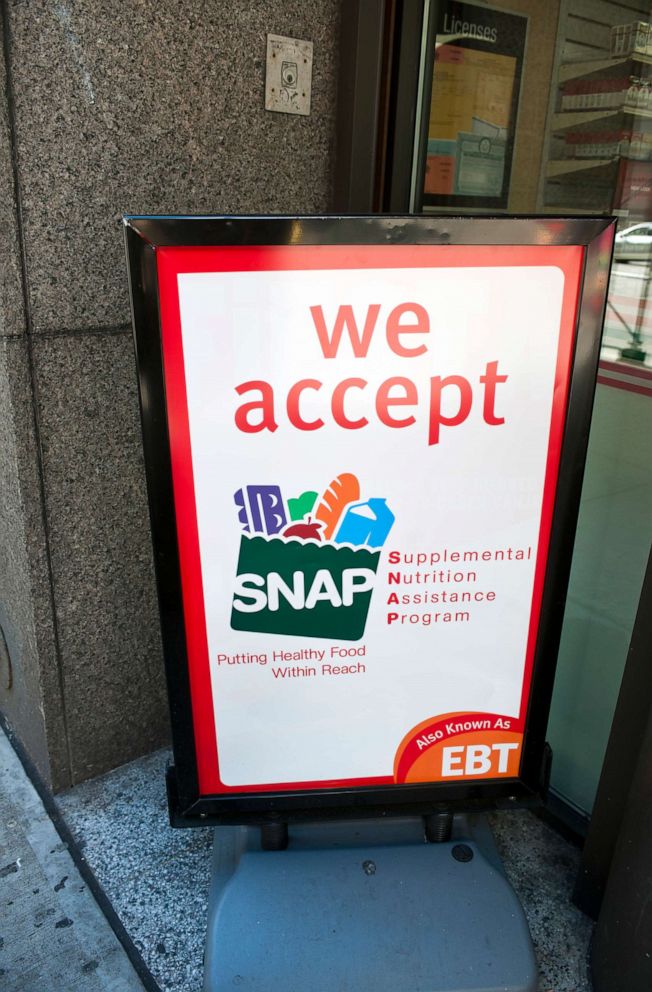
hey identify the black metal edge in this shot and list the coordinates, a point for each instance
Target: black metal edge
(567, 819)
(361, 50)
(422, 126)
(592, 304)
(391, 801)
(143, 283)
(69, 841)
(233, 231)
(623, 760)
(143, 235)
(403, 93)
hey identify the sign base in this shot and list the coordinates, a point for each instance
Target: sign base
(365, 905)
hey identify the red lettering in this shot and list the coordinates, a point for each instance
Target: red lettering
(265, 405)
(437, 418)
(294, 414)
(490, 380)
(345, 318)
(395, 328)
(384, 400)
(337, 404)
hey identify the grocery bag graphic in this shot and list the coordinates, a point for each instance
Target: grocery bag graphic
(311, 576)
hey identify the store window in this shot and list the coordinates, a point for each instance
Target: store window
(546, 108)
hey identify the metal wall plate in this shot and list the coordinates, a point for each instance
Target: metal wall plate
(288, 76)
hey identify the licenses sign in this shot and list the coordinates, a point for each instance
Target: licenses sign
(364, 441)
(475, 59)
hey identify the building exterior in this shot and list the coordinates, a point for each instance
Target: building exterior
(151, 108)
(446, 107)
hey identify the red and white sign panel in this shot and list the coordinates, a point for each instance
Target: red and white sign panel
(365, 444)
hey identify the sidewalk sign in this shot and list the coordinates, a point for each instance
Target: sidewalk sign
(364, 443)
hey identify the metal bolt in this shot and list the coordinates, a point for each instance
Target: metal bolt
(462, 852)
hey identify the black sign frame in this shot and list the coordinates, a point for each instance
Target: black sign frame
(143, 236)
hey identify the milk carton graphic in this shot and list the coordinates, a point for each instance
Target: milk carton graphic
(366, 523)
(308, 569)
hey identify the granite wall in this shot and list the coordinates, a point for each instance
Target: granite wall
(107, 109)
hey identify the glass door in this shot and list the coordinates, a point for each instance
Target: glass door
(524, 107)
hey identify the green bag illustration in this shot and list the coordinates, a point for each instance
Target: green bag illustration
(311, 590)
(311, 578)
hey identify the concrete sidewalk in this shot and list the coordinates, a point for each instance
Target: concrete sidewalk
(55, 938)
(53, 935)
(158, 879)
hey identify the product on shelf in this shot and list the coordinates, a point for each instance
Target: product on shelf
(596, 144)
(625, 92)
(608, 143)
(582, 94)
(630, 39)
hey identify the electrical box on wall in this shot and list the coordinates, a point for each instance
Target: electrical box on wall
(288, 77)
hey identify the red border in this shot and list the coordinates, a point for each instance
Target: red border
(173, 261)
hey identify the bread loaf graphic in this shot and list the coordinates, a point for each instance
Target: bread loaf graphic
(343, 490)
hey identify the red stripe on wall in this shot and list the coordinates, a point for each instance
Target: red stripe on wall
(629, 387)
(636, 371)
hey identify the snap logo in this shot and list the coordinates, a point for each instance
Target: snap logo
(308, 566)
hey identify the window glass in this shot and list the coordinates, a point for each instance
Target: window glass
(547, 108)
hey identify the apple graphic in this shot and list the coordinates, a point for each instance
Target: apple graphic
(308, 529)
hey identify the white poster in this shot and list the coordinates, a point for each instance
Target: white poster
(365, 449)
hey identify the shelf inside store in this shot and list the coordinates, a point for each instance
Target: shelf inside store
(575, 70)
(565, 166)
(576, 118)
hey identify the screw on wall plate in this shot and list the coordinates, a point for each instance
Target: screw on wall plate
(462, 852)
(369, 867)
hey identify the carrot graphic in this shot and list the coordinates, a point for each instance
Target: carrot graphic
(342, 490)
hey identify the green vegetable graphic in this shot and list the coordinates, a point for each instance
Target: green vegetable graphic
(302, 505)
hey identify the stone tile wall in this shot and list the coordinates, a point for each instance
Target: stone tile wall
(114, 108)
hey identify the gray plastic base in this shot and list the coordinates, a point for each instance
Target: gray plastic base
(365, 905)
